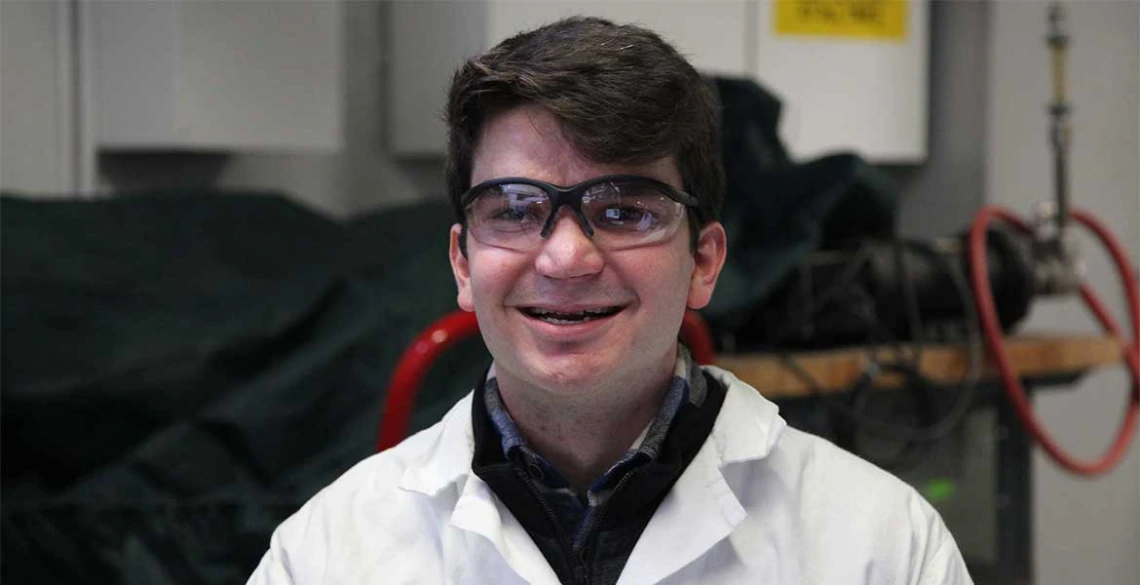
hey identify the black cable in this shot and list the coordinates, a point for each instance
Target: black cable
(910, 299)
(966, 388)
(846, 426)
(924, 406)
(846, 278)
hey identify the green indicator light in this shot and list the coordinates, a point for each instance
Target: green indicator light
(939, 490)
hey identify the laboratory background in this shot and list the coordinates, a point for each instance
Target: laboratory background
(224, 260)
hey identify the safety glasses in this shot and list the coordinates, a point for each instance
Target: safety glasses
(615, 211)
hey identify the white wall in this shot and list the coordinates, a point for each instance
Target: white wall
(941, 195)
(1085, 531)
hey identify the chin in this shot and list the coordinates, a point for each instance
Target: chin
(572, 373)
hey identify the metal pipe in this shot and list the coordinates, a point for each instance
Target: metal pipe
(1060, 131)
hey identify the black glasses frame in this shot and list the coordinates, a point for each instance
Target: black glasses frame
(573, 194)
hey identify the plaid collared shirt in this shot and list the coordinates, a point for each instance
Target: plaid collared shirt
(577, 512)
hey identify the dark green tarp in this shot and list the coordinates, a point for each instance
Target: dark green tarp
(776, 211)
(182, 371)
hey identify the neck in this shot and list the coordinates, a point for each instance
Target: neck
(583, 433)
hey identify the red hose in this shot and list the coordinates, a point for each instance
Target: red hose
(987, 314)
(417, 360)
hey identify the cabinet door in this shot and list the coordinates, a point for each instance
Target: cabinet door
(431, 39)
(853, 75)
(37, 99)
(236, 75)
(428, 40)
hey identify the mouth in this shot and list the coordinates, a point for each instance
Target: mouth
(556, 317)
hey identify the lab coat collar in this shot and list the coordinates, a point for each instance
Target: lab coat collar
(701, 505)
(754, 421)
(448, 458)
(748, 426)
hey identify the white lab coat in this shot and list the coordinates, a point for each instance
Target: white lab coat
(760, 503)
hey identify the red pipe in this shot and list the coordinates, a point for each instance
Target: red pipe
(697, 338)
(987, 314)
(413, 368)
(417, 360)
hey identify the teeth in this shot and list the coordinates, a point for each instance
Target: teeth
(568, 318)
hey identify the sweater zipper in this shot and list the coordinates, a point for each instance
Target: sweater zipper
(582, 577)
(581, 555)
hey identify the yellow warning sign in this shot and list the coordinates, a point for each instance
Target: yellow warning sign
(868, 19)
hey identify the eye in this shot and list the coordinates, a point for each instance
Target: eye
(629, 206)
(510, 208)
(515, 213)
(627, 216)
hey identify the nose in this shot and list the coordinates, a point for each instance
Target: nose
(568, 252)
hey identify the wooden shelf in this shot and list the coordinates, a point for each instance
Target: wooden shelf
(1033, 356)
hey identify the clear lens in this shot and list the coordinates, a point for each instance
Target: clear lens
(508, 215)
(627, 214)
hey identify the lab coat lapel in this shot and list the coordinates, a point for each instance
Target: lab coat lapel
(447, 462)
(700, 511)
(478, 511)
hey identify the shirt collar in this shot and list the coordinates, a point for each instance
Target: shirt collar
(687, 384)
(747, 428)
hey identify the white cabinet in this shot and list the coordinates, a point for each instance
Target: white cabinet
(235, 75)
(841, 91)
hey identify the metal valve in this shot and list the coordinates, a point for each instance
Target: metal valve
(1058, 269)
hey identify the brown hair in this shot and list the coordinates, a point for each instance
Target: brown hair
(622, 94)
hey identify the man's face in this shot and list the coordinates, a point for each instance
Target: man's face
(566, 273)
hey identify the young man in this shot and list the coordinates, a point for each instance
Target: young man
(584, 170)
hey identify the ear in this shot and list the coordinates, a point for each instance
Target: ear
(461, 269)
(708, 259)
